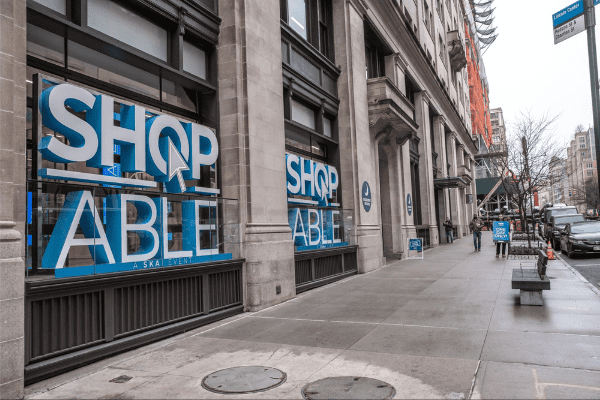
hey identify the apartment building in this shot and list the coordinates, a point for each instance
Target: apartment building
(580, 167)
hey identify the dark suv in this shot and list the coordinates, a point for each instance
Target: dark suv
(553, 211)
(557, 224)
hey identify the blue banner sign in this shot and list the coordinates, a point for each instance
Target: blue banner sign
(409, 204)
(316, 181)
(315, 229)
(501, 231)
(109, 246)
(415, 244)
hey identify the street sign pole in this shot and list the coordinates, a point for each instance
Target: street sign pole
(590, 26)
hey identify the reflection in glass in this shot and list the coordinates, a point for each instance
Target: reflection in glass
(45, 45)
(177, 95)
(122, 24)
(97, 65)
(297, 16)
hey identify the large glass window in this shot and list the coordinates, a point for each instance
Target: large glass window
(194, 60)
(97, 65)
(312, 20)
(122, 24)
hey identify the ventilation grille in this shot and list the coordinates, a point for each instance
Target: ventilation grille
(225, 288)
(328, 266)
(66, 322)
(142, 306)
(303, 272)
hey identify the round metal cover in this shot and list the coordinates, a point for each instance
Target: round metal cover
(243, 380)
(348, 387)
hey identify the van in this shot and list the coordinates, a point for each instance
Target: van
(553, 211)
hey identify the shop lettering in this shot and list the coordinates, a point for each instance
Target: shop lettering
(169, 150)
(310, 178)
(312, 227)
(110, 246)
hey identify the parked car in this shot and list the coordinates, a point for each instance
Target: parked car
(558, 223)
(553, 211)
(581, 238)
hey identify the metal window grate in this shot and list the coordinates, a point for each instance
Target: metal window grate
(141, 306)
(303, 271)
(66, 322)
(225, 288)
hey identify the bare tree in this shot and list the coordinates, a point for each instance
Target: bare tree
(531, 146)
(579, 128)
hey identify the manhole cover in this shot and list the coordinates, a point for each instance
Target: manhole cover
(243, 379)
(348, 387)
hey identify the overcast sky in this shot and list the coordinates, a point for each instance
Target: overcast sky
(527, 71)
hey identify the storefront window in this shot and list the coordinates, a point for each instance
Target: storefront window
(194, 60)
(122, 24)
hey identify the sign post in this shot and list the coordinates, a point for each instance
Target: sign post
(568, 23)
(590, 26)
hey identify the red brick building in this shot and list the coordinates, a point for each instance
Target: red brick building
(478, 93)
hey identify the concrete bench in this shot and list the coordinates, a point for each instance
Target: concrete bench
(531, 281)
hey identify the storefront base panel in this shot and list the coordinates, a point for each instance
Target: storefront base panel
(370, 251)
(320, 267)
(77, 321)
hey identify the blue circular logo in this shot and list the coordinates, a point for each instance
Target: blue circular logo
(366, 196)
(409, 204)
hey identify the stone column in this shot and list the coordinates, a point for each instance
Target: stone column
(439, 130)
(422, 101)
(408, 220)
(395, 70)
(357, 147)
(252, 143)
(12, 195)
(454, 194)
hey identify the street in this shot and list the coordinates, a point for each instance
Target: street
(587, 265)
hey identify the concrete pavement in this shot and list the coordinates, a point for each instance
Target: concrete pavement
(449, 326)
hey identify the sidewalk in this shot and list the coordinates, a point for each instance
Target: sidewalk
(449, 326)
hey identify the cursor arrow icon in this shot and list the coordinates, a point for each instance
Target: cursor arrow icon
(176, 165)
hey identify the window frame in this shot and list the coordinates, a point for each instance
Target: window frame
(319, 29)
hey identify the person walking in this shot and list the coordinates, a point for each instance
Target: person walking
(502, 245)
(449, 226)
(476, 225)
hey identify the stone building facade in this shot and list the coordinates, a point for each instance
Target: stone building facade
(343, 129)
(580, 166)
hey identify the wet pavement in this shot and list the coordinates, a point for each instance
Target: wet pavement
(448, 326)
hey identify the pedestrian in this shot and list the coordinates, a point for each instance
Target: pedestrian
(476, 225)
(502, 245)
(449, 226)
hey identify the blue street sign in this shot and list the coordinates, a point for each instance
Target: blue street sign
(569, 13)
(366, 196)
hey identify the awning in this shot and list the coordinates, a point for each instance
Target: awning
(449, 182)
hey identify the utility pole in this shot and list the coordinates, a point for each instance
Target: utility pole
(590, 27)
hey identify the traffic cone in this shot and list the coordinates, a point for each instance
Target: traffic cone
(550, 252)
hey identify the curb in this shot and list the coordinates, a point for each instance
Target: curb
(578, 275)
